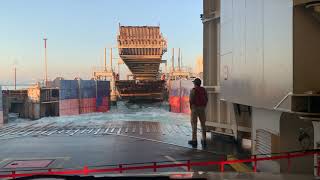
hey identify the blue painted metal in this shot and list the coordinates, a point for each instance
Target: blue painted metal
(186, 86)
(87, 89)
(69, 89)
(103, 90)
(174, 88)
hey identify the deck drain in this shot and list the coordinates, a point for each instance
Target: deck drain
(43, 163)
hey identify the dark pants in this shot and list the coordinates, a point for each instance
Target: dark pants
(198, 112)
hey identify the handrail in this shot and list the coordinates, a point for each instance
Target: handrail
(281, 101)
(156, 165)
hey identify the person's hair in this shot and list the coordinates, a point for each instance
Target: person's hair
(197, 82)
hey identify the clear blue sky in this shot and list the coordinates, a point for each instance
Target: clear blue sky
(78, 30)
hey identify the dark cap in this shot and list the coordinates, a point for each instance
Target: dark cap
(197, 81)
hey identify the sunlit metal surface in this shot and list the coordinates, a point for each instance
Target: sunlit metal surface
(268, 50)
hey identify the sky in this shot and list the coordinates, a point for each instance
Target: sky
(78, 30)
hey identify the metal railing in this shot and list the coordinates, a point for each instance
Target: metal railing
(155, 166)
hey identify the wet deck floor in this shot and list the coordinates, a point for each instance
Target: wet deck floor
(73, 142)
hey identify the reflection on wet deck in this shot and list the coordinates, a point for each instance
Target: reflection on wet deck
(174, 133)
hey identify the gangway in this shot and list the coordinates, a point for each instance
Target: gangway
(141, 49)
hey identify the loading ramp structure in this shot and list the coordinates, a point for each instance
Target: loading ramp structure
(141, 49)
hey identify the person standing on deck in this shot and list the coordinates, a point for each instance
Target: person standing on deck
(198, 101)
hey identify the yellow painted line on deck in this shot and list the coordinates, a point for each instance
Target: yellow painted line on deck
(239, 167)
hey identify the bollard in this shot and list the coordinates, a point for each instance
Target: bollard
(255, 163)
(85, 170)
(120, 167)
(154, 167)
(189, 165)
(222, 167)
(289, 162)
(13, 174)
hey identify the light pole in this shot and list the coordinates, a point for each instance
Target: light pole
(15, 78)
(111, 59)
(45, 61)
(105, 59)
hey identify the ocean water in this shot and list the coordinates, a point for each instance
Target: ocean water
(156, 112)
(19, 87)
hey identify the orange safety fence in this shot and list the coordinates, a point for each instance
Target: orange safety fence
(154, 166)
